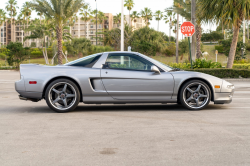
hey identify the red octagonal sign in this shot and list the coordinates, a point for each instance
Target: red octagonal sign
(187, 29)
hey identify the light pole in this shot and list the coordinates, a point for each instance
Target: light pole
(122, 27)
(96, 22)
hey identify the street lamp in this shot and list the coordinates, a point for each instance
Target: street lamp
(122, 27)
(96, 22)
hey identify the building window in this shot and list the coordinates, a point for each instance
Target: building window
(100, 25)
(91, 26)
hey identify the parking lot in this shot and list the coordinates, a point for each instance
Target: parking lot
(105, 135)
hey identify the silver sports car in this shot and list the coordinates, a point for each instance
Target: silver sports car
(119, 78)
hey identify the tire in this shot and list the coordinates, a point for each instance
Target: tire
(195, 95)
(62, 95)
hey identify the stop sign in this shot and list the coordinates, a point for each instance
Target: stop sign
(187, 29)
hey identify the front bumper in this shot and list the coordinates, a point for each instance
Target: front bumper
(223, 98)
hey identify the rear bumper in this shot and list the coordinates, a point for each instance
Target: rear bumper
(31, 95)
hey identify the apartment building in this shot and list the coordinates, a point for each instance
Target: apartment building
(80, 29)
(15, 33)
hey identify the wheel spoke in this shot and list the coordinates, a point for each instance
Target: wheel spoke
(56, 100)
(204, 96)
(197, 102)
(198, 89)
(189, 99)
(64, 88)
(190, 90)
(65, 103)
(70, 95)
(56, 91)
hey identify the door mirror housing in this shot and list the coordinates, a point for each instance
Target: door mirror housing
(155, 69)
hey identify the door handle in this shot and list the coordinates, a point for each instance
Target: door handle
(106, 72)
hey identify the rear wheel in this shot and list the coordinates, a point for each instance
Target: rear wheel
(195, 95)
(62, 95)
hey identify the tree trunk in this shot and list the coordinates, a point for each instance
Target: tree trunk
(59, 42)
(177, 39)
(170, 23)
(233, 48)
(158, 25)
(129, 18)
(198, 40)
(193, 18)
(247, 30)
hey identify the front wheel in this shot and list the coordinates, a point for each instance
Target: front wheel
(195, 95)
(62, 95)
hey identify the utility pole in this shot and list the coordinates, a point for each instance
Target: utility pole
(177, 39)
(96, 23)
(122, 27)
(193, 20)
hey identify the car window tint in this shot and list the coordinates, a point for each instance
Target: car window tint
(86, 62)
(128, 61)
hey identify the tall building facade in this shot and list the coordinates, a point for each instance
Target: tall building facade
(80, 29)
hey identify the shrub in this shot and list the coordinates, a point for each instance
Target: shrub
(225, 73)
(226, 47)
(144, 47)
(241, 66)
(219, 48)
(170, 49)
(2, 56)
(198, 63)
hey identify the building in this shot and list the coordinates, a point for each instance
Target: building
(80, 29)
(15, 33)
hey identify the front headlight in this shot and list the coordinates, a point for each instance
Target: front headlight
(230, 86)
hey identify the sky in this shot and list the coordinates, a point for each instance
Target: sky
(114, 7)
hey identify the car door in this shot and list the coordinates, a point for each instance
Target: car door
(127, 76)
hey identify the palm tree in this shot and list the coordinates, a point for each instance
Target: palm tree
(134, 16)
(86, 15)
(61, 11)
(146, 14)
(101, 19)
(129, 4)
(158, 17)
(168, 19)
(11, 8)
(26, 12)
(231, 12)
(117, 19)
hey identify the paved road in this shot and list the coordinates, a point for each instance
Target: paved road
(117, 135)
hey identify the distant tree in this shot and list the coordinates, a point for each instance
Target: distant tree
(16, 54)
(129, 4)
(147, 15)
(11, 8)
(158, 17)
(134, 16)
(78, 46)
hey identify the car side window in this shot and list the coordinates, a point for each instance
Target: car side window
(128, 62)
(88, 62)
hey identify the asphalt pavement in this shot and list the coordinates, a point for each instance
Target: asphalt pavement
(123, 135)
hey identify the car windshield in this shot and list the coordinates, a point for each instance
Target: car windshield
(82, 59)
(161, 65)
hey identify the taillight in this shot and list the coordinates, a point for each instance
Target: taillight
(32, 82)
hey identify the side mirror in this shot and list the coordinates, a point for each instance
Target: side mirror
(155, 69)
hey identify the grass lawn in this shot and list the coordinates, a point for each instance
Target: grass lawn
(164, 59)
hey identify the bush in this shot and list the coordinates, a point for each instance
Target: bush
(198, 63)
(98, 49)
(225, 73)
(219, 48)
(144, 47)
(241, 66)
(170, 49)
(2, 56)
(226, 44)
(212, 36)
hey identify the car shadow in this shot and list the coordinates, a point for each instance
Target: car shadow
(122, 107)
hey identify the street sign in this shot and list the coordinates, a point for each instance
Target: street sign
(187, 29)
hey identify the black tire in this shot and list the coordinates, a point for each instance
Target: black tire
(62, 95)
(191, 95)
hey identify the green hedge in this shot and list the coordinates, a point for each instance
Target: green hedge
(219, 48)
(225, 73)
(241, 66)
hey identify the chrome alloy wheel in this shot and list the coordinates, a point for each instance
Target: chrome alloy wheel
(62, 95)
(196, 95)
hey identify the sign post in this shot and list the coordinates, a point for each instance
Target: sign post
(216, 53)
(188, 29)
